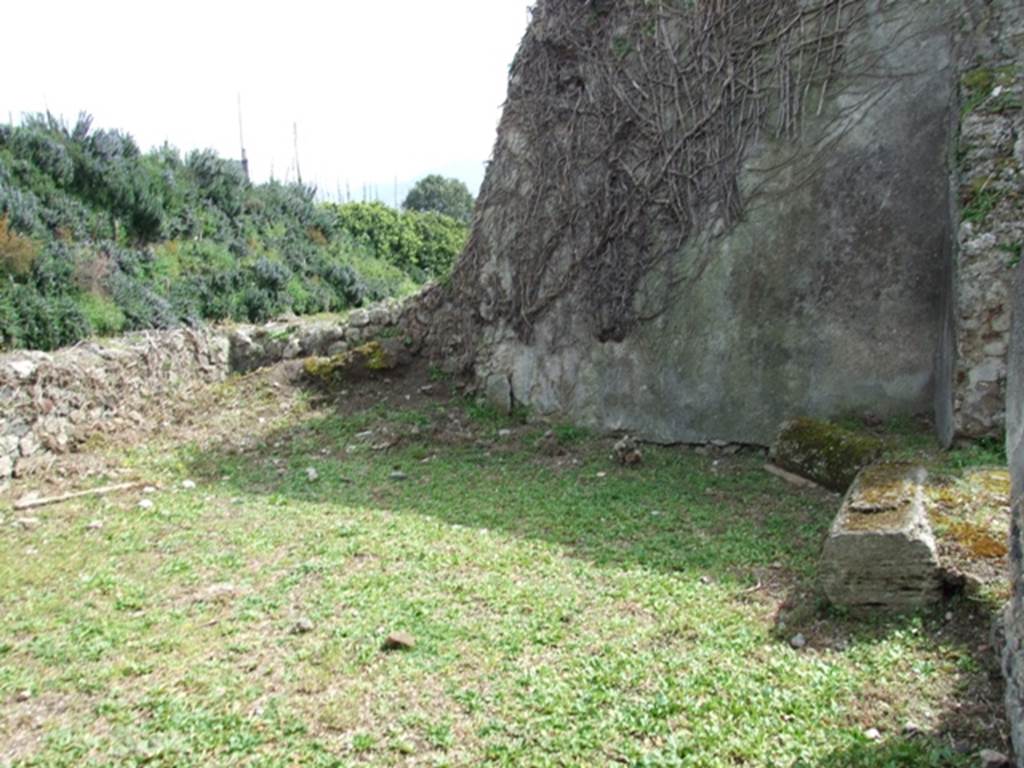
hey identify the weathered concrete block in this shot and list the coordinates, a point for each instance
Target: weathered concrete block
(880, 553)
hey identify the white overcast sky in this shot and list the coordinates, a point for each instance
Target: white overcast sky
(378, 90)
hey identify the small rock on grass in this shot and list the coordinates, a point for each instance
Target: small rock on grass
(312, 475)
(797, 642)
(911, 729)
(873, 734)
(991, 759)
(188, 485)
(627, 452)
(398, 475)
(217, 593)
(23, 696)
(301, 627)
(399, 641)
(146, 504)
(28, 523)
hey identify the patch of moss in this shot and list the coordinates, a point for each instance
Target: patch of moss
(323, 367)
(978, 85)
(979, 200)
(976, 539)
(828, 454)
(374, 356)
(883, 499)
(369, 358)
(882, 488)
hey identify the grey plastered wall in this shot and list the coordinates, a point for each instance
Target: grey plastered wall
(826, 299)
(1014, 652)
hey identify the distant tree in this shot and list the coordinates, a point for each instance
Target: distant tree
(436, 193)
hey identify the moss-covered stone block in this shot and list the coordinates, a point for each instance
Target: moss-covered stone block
(823, 452)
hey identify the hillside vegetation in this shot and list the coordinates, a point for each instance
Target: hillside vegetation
(97, 237)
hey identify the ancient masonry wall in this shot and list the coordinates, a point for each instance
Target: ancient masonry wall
(990, 167)
(51, 402)
(1013, 656)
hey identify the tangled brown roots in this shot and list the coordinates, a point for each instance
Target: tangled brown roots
(626, 127)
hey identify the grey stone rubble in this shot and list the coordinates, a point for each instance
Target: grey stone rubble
(52, 402)
(880, 553)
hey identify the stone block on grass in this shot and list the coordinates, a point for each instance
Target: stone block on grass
(880, 554)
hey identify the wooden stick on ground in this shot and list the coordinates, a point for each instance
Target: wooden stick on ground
(29, 502)
(792, 479)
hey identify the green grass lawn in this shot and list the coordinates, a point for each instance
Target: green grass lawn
(566, 611)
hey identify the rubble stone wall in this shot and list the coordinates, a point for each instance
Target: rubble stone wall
(990, 169)
(52, 402)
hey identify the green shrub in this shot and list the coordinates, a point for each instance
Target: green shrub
(381, 280)
(17, 253)
(105, 318)
(30, 319)
(424, 245)
(442, 240)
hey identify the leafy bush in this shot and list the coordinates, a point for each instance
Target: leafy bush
(30, 319)
(442, 239)
(381, 280)
(103, 315)
(425, 245)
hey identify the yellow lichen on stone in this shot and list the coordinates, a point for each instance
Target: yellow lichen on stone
(371, 357)
(973, 512)
(883, 487)
(324, 367)
(375, 356)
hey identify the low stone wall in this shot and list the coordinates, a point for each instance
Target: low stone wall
(51, 402)
(254, 347)
(1014, 652)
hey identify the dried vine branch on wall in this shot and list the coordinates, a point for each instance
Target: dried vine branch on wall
(631, 119)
